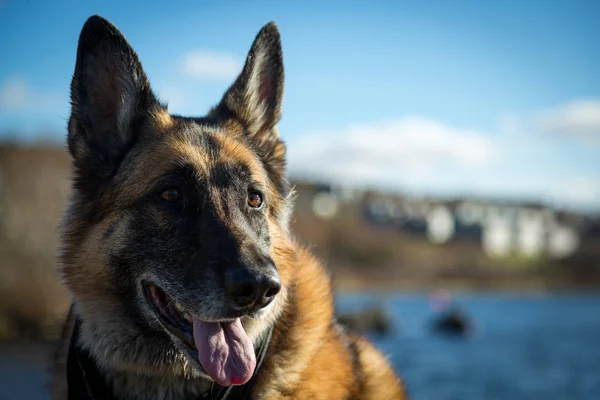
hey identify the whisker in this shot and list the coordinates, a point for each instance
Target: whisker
(167, 306)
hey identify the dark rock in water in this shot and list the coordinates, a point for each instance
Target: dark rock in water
(374, 320)
(452, 322)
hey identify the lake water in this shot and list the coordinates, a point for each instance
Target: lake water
(525, 347)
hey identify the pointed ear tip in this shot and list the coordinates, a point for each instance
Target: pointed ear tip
(95, 31)
(96, 18)
(268, 39)
(270, 29)
(96, 23)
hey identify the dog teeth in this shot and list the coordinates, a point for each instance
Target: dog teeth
(188, 317)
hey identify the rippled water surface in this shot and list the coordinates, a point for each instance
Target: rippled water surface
(543, 347)
(524, 348)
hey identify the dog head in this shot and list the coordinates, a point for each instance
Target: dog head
(174, 244)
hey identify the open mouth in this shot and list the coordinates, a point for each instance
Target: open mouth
(171, 314)
(224, 349)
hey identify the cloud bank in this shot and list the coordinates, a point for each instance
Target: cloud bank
(579, 118)
(16, 95)
(425, 157)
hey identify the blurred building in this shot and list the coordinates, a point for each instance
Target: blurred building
(502, 228)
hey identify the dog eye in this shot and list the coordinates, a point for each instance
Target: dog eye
(170, 195)
(255, 200)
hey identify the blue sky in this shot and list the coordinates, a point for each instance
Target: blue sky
(429, 97)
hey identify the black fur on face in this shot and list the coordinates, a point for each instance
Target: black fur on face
(186, 245)
(167, 200)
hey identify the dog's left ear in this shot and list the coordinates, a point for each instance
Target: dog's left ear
(255, 98)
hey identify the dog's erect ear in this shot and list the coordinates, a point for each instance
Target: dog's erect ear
(110, 95)
(255, 97)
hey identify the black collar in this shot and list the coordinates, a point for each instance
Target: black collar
(85, 380)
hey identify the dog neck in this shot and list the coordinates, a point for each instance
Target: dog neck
(86, 381)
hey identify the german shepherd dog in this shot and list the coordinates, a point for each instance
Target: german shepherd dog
(186, 282)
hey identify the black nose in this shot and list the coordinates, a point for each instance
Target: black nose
(248, 288)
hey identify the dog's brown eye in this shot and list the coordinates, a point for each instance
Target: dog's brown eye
(254, 200)
(170, 195)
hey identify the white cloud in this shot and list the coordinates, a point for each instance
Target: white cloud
(425, 157)
(211, 65)
(509, 124)
(580, 118)
(175, 97)
(407, 151)
(16, 95)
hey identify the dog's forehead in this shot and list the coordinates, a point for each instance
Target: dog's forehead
(206, 147)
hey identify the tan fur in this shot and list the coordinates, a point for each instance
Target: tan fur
(310, 356)
(311, 359)
(380, 381)
(162, 119)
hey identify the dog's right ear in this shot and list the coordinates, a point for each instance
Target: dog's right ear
(110, 96)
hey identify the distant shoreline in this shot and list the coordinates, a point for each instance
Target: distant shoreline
(463, 286)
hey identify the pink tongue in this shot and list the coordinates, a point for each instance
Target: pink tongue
(225, 351)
